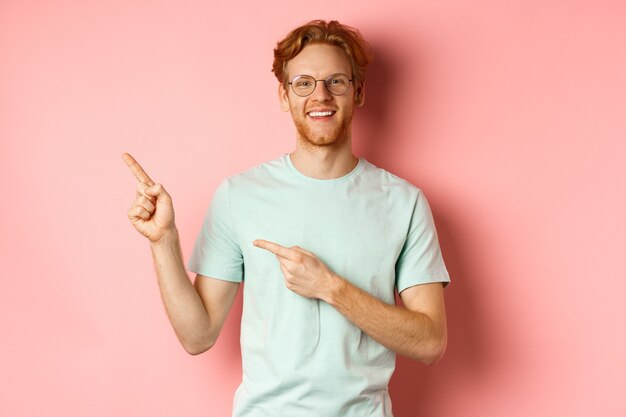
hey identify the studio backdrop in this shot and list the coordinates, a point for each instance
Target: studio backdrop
(510, 116)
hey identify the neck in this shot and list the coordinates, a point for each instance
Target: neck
(324, 162)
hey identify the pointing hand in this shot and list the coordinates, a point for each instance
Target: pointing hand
(304, 273)
(152, 212)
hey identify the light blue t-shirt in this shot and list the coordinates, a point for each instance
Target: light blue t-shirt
(300, 356)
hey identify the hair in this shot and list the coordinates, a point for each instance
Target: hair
(320, 31)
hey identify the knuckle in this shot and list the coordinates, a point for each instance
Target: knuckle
(132, 213)
(145, 202)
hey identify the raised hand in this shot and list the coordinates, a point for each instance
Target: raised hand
(305, 274)
(152, 212)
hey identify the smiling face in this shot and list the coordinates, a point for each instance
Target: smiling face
(321, 118)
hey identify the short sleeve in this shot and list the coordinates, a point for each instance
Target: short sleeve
(216, 252)
(420, 260)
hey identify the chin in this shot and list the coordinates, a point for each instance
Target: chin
(337, 137)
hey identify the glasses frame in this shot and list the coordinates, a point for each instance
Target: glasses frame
(326, 81)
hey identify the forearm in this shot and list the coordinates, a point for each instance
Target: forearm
(182, 302)
(408, 332)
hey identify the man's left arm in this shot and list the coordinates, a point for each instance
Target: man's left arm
(417, 330)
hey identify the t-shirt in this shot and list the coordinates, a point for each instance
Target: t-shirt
(300, 357)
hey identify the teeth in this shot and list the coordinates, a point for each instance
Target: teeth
(320, 113)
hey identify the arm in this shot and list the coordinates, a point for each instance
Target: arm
(196, 313)
(417, 330)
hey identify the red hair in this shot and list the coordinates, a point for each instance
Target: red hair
(320, 31)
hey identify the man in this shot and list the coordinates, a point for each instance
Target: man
(322, 239)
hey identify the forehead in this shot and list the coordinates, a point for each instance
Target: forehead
(320, 60)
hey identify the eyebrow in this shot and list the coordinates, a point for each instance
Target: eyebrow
(324, 78)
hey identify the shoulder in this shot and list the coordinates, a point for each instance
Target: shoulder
(393, 184)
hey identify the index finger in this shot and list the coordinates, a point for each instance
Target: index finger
(138, 171)
(275, 248)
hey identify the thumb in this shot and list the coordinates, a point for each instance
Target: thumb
(157, 191)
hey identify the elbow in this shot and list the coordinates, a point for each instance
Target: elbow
(435, 352)
(197, 349)
(432, 358)
(199, 346)
(193, 351)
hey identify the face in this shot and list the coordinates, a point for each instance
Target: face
(320, 61)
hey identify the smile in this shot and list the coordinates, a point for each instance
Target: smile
(321, 113)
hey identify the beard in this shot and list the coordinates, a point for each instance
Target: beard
(339, 135)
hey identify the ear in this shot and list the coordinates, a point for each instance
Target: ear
(283, 97)
(359, 95)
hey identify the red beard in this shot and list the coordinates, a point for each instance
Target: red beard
(339, 135)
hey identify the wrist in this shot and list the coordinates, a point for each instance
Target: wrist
(335, 288)
(170, 237)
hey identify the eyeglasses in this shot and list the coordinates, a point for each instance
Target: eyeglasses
(336, 84)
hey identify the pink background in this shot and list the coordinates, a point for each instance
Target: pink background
(509, 115)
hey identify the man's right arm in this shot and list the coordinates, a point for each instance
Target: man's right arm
(196, 311)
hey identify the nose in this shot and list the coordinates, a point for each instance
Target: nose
(321, 92)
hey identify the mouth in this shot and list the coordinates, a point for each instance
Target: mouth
(320, 115)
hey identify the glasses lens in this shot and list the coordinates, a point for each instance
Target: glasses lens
(337, 84)
(303, 85)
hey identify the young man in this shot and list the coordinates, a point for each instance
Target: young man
(322, 239)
